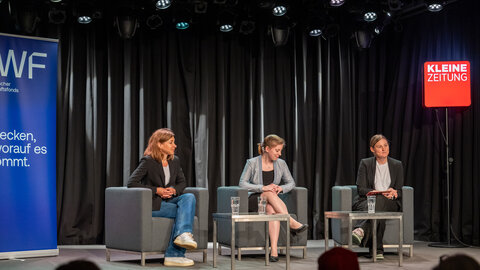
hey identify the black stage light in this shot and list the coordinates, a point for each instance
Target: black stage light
(154, 21)
(247, 27)
(226, 21)
(27, 20)
(336, 3)
(434, 5)
(364, 38)
(200, 7)
(280, 31)
(126, 25)
(163, 4)
(57, 15)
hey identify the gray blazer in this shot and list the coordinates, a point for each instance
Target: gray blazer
(251, 177)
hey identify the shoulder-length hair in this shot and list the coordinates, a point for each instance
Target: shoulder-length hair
(376, 138)
(159, 136)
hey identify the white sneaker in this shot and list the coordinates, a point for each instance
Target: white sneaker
(185, 240)
(178, 261)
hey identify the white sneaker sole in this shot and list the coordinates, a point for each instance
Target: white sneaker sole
(186, 245)
(178, 264)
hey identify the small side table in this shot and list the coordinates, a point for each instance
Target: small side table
(354, 215)
(250, 217)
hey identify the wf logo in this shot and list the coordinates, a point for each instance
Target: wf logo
(18, 68)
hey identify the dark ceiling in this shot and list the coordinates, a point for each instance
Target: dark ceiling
(26, 16)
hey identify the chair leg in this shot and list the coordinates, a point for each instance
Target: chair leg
(410, 253)
(239, 253)
(305, 252)
(142, 259)
(107, 254)
(205, 255)
(219, 249)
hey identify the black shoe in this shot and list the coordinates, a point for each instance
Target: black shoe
(273, 259)
(299, 229)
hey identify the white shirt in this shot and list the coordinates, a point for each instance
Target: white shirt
(382, 176)
(166, 171)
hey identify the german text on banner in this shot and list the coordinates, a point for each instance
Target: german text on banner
(28, 88)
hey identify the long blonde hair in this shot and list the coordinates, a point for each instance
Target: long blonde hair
(159, 136)
(271, 141)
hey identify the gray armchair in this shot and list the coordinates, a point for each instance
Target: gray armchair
(251, 236)
(130, 227)
(342, 200)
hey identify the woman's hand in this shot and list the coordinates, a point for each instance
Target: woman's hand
(392, 194)
(166, 193)
(272, 188)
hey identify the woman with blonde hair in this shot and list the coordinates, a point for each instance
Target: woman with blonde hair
(160, 171)
(263, 176)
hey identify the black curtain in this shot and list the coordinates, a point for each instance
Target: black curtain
(221, 94)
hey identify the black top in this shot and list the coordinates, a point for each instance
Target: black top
(267, 177)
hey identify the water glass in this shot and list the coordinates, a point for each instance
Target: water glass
(262, 205)
(371, 204)
(235, 203)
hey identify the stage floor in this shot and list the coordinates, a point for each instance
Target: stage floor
(424, 257)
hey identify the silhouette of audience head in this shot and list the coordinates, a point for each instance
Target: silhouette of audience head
(78, 265)
(338, 258)
(457, 261)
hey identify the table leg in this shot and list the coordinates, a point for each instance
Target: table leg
(350, 225)
(214, 243)
(374, 240)
(325, 231)
(267, 244)
(400, 242)
(288, 244)
(232, 247)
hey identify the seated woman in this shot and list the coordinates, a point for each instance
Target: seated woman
(377, 173)
(262, 176)
(160, 171)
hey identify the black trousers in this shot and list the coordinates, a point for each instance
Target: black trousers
(382, 204)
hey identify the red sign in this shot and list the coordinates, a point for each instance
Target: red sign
(446, 84)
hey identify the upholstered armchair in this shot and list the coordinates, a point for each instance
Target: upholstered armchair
(130, 227)
(342, 200)
(251, 236)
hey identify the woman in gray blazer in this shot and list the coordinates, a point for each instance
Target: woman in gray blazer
(377, 173)
(266, 176)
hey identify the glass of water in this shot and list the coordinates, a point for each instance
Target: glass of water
(235, 203)
(371, 204)
(262, 205)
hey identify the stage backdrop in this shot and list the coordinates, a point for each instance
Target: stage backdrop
(28, 76)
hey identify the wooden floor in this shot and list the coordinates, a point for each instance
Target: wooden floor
(424, 257)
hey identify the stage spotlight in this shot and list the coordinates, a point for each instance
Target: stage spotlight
(280, 31)
(247, 27)
(84, 19)
(126, 26)
(27, 20)
(163, 4)
(434, 5)
(315, 32)
(54, 1)
(154, 21)
(226, 21)
(364, 38)
(226, 28)
(336, 3)
(279, 10)
(369, 16)
(57, 16)
(182, 25)
(200, 7)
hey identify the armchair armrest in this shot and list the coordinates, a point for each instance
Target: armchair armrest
(341, 198)
(128, 218)
(201, 210)
(297, 202)
(223, 198)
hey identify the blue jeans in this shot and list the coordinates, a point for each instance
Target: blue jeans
(182, 210)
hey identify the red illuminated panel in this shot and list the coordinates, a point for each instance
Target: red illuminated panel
(446, 84)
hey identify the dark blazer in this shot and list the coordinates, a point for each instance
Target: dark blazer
(366, 177)
(149, 174)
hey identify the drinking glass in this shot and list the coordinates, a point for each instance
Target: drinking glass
(235, 203)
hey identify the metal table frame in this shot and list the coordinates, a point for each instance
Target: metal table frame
(354, 215)
(250, 217)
